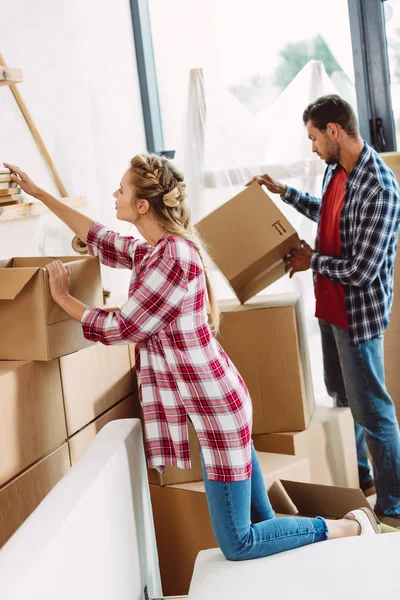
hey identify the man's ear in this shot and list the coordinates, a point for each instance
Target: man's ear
(334, 130)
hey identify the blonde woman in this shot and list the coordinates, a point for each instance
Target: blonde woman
(183, 373)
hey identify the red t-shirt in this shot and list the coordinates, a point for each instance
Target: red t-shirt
(330, 296)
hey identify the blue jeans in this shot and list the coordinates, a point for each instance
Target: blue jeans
(355, 377)
(244, 522)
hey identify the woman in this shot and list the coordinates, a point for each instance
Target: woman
(182, 370)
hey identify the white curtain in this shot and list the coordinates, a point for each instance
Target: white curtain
(223, 145)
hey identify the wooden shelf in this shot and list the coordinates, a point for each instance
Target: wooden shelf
(10, 76)
(33, 209)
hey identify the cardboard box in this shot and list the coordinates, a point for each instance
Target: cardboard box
(267, 341)
(247, 238)
(392, 159)
(294, 498)
(183, 528)
(328, 443)
(126, 409)
(93, 380)
(392, 335)
(182, 521)
(20, 497)
(175, 475)
(32, 326)
(32, 420)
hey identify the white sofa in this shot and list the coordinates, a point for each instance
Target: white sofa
(358, 568)
(93, 538)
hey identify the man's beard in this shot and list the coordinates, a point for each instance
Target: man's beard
(332, 153)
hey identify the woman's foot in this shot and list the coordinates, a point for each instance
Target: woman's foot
(368, 524)
(357, 522)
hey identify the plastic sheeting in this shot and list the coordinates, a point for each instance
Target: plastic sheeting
(223, 145)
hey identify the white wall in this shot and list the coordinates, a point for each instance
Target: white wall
(81, 87)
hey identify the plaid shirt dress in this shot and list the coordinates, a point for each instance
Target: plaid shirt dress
(369, 229)
(182, 370)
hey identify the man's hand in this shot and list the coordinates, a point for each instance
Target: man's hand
(273, 186)
(299, 259)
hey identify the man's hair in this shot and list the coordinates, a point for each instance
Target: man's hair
(332, 109)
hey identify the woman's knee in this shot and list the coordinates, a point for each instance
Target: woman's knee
(233, 554)
(235, 549)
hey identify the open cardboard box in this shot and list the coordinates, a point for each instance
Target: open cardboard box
(248, 238)
(32, 325)
(312, 500)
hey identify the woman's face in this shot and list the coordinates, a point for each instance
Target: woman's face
(125, 203)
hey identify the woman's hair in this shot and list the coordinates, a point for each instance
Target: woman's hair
(157, 180)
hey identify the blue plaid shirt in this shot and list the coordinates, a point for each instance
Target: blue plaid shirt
(369, 226)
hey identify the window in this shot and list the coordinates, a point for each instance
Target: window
(253, 49)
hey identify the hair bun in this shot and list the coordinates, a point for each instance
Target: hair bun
(172, 198)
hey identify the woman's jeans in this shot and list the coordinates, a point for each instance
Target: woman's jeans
(355, 377)
(244, 522)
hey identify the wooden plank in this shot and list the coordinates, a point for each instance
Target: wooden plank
(37, 137)
(10, 200)
(34, 209)
(10, 191)
(10, 76)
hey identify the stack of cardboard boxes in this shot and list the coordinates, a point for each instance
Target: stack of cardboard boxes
(10, 192)
(266, 339)
(57, 389)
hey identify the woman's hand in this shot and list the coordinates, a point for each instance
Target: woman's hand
(59, 281)
(23, 180)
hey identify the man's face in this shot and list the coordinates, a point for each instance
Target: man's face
(323, 144)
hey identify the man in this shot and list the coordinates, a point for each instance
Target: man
(358, 223)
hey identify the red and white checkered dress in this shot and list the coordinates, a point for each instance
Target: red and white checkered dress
(182, 370)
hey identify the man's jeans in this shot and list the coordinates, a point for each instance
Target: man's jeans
(355, 377)
(244, 523)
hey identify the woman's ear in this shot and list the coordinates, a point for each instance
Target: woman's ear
(143, 206)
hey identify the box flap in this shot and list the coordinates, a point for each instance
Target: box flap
(280, 500)
(324, 500)
(43, 261)
(12, 281)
